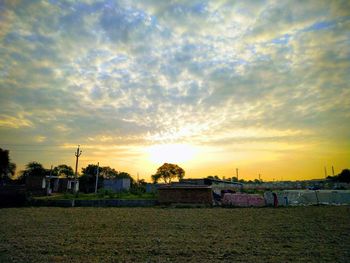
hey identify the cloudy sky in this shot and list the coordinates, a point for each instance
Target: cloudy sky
(210, 85)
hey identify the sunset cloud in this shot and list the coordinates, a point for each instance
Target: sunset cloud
(138, 73)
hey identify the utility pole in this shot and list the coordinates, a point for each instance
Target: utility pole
(77, 155)
(97, 172)
(48, 181)
(325, 172)
(237, 174)
(332, 170)
(259, 177)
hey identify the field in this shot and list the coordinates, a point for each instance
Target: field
(300, 234)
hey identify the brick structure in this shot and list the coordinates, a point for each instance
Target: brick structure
(243, 200)
(189, 194)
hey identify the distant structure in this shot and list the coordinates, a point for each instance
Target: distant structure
(117, 185)
(216, 184)
(184, 194)
(46, 185)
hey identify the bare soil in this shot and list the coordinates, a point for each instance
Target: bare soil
(298, 234)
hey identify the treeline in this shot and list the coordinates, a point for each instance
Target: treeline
(86, 178)
(235, 179)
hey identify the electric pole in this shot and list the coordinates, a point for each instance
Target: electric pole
(325, 172)
(77, 154)
(332, 170)
(97, 172)
(48, 182)
(237, 174)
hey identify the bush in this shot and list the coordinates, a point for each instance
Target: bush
(105, 192)
(137, 189)
(67, 195)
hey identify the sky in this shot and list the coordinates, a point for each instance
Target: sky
(262, 86)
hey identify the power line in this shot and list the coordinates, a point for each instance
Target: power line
(31, 145)
(38, 150)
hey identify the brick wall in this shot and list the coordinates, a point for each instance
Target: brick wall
(185, 195)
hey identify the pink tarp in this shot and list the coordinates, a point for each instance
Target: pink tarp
(243, 200)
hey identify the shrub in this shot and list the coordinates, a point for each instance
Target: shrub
(105, 192)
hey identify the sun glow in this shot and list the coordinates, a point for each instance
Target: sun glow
(171, 153)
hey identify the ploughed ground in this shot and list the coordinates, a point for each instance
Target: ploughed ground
(294, 234)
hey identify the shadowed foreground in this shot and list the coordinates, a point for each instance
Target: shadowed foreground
(316, 234)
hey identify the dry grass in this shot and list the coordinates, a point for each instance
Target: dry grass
(301, 234)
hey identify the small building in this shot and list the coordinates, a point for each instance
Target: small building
(46, 185)
(67, 184)
(36, 185)
(152, 188)
(117, 185)
(189, 194)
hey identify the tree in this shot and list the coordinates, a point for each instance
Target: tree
(155, 178)
(344, 176)
(34, 169)
(7, 169)
(124, 175)
(87, 180)
(64, 170)
(215, 177)
(108, 172)
(167, 172)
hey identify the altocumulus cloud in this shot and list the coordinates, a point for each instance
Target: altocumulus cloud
(140, 72)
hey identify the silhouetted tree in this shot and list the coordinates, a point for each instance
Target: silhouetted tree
(213, 177)
(87, 180)
(108, 172)
(343, 177)
(155, 178)
(63, 170)
(32, 169)
(167, 172)
(7, 169)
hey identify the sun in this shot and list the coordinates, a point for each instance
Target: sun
(171, 153)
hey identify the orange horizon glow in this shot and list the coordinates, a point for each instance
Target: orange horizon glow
(252, 160)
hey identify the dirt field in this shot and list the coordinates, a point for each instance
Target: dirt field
(301, 234)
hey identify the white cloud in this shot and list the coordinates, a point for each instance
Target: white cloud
(143, 71)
